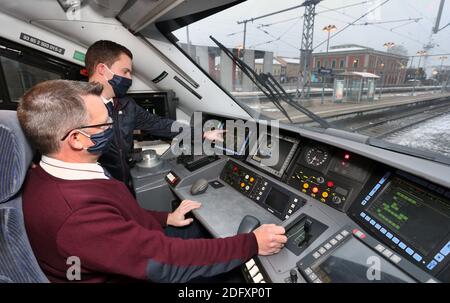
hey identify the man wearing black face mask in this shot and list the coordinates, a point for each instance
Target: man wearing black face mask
(110, 64)
(73, 208)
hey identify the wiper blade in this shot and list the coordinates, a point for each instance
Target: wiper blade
(253, 76)
(288, 99)
(271, 88)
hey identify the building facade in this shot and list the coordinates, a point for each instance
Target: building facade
(356, 58)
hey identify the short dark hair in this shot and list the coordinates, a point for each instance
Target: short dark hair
(104, 51)
(49, 109)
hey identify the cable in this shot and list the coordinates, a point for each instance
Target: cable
(418, 11)
(378, 26)
(279, 37)
(342, 7)
(395, 27)
(278, 22)
(235, 33)
(327, 10)
(391, 21)
(347, 26)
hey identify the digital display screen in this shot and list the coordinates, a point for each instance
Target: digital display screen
(277, 200)
(416, 215)
(285, 148)
(353, 168)
(354, 262)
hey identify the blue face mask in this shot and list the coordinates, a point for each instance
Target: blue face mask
(119, 84)
(101, 141)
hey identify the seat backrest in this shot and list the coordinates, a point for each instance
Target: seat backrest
(17, 261)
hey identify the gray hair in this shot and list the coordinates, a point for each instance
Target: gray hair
(52, 108)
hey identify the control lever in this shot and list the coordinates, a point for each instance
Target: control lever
(293, 275)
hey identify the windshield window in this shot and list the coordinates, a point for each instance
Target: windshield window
(379, 68)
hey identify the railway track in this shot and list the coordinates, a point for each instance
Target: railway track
(391, 125)
(361, 127)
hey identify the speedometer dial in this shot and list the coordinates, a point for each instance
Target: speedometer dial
(316, 156)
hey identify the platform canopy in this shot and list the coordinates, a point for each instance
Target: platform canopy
(360, 74)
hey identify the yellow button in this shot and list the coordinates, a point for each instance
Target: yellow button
(252, 179)
(242, 184)
(325, 194)
(305, 185)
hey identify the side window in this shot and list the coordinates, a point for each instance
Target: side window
(20, 77)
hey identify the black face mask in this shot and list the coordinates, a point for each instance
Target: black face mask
(119, 84)
(101, 141)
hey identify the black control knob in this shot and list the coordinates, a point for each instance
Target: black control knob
(293, 275)
(337, 200)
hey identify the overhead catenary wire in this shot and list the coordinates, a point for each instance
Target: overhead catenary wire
(389, 21)
(298, 19)
(376, 24)
(350, 24)
(380, 27)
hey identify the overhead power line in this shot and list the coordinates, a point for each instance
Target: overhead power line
(350, 24)
(389, 21)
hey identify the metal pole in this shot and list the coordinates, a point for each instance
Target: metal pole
(326, 66)
(441, 72)
(245, 35)
(306, 48)
(382, 85)
(415, 76)
(188, 41)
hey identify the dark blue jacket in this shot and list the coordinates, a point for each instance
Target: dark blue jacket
(129, 116)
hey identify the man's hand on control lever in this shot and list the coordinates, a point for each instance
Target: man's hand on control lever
(270, 238)
(177, 217)
(214, 135)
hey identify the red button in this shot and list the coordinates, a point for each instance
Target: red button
(235, 169)
(330, 183)
(359, 233)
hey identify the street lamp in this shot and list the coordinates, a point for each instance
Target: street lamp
(329, 28)
(387, 45)
(420, 54)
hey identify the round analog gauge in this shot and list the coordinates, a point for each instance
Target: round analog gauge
(316, 156)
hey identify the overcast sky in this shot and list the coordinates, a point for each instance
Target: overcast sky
(412, 35)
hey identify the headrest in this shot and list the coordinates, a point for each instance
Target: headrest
(15, 155)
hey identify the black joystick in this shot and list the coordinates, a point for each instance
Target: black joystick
(248, 224)
(293, 275)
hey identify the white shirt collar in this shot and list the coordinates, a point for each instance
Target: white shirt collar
(72, 171)
(106, 101)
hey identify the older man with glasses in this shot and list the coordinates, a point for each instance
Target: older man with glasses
(72, 208)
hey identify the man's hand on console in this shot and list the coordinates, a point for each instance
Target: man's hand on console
(177, 217)
(270, 238)
(214, 135)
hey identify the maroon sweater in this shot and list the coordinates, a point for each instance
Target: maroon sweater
(100, 222)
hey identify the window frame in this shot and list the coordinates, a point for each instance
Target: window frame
(36, 59)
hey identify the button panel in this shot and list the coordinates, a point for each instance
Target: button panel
(258, 189)
(318, 186)
(252, 272)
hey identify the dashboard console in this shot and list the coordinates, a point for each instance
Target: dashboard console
(344, 213)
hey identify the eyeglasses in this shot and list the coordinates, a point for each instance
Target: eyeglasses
(104, 126)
